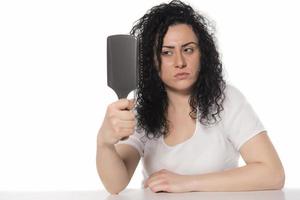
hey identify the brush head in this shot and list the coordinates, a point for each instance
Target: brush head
(122, 64)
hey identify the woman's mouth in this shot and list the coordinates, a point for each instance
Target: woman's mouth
(182, 75)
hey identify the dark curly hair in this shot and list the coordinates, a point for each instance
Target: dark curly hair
(207, 94)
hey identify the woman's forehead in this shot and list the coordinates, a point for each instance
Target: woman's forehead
(179, 34)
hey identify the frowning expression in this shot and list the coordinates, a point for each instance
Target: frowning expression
(180, 58)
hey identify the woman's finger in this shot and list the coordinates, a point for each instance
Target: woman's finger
(126, 124)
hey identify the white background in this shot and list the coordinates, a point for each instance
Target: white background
(53, 92)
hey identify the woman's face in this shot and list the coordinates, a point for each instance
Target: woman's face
(180, 59)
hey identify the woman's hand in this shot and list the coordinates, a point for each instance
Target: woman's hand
(168, 181)
(119, 122)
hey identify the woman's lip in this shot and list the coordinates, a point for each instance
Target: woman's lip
(181, 76)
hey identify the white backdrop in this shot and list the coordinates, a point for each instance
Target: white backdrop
(53, 92)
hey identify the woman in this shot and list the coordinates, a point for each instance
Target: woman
(187, 124)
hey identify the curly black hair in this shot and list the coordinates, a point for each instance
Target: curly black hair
(207, 94)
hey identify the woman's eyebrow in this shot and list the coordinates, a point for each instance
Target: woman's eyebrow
(189, 43)
(172, 47)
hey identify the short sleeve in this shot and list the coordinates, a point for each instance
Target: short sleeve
(137, 140)
(240, 121)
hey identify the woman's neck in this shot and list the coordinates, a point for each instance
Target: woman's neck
(178, 102)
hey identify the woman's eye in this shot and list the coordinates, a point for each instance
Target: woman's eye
(189, 50)
(166, 52)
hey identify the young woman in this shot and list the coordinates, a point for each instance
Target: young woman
(188, 126)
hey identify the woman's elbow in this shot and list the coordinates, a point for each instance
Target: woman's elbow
(281, 181)
(278, 179)
(114, 191)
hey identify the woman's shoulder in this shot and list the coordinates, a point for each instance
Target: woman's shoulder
(233, 96)
(233, 102)
(233, 92)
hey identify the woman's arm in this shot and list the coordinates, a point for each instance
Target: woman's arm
(116, 165)
(263, 171)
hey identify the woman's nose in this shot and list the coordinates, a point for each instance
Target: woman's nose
(179, 60)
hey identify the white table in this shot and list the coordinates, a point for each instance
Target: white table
(140, 194)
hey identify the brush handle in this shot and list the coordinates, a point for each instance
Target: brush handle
(124, 138)
(134, 97)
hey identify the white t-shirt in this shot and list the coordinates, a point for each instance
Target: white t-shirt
(209, 149)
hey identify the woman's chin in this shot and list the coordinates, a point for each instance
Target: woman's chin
(179, 89)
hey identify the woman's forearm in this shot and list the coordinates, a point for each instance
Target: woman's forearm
(254, 176)
(111, 169)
